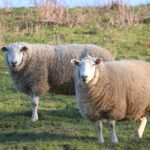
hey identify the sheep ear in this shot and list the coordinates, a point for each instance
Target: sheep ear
(75, 61)
(24, 48)
(98, 61)
(4, 49)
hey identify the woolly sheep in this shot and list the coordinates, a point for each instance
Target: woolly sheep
(37, 68)
(115, 90)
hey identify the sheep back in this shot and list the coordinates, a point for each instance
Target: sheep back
(61, 73)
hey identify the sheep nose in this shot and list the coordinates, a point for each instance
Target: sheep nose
(84, 77)
(14, 63)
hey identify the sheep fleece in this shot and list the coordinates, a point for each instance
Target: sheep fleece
(120, 90)
(46, 67)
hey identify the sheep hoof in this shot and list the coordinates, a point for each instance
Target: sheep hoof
(101, 141)
(114, 141)
(33, 118)
(135, 136)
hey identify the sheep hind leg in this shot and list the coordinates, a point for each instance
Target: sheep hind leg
(114, 139)
(138, 134)
(100, 133)
(34, 102)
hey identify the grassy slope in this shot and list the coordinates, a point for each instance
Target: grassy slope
(61, 126)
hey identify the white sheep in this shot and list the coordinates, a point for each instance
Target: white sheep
(117, 90)
(37, 68)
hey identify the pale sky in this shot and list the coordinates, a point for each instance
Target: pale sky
(72, 3)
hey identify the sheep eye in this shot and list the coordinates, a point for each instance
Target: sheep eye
(4, 49)
(24, 48)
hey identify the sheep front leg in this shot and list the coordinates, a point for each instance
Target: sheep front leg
(34, 102)
(113, 132)
(141, 128)
(100, 133)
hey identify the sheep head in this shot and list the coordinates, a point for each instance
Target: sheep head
(14, 54)
(86, 67)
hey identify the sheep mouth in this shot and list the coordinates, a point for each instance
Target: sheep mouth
(14, 67)
(85, 81)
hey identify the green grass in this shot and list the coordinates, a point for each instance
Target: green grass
(60, 125)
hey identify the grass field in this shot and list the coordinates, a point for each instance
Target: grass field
(60, 125)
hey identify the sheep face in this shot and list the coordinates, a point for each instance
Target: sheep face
(86, 67)
(14, 55)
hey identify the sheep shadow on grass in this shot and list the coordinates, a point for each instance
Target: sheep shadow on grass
(31, 136)
(17, 126)
(52, 137)
(64, 113)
